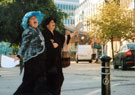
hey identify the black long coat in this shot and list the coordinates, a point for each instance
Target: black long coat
(54, 68)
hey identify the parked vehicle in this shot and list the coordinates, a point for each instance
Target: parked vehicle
(84, 53)
(125, 57)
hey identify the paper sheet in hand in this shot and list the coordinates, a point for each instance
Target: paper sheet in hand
(8, 62)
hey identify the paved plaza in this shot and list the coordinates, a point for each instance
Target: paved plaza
(80, 79)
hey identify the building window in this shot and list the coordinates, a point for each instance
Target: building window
(69, 7)
(66, 21)
(56, 5)
(63, 7)
(70, 21)
(73, 21)
(66, 6)
(60, 6)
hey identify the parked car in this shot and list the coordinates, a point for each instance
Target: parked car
(125, 57)
(84, 53)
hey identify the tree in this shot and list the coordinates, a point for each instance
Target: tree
(13, 12)
(112, 21)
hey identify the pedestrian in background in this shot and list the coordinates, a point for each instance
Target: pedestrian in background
(54, 44)
(32, 51)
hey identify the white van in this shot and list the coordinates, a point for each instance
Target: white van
(84, 53)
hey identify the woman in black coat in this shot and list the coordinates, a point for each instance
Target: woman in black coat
(54, 42)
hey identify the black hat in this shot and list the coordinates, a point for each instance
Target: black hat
(47, 21)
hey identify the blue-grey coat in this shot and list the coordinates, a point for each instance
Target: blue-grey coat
(32, 45)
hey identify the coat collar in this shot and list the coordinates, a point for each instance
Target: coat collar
(34, 29)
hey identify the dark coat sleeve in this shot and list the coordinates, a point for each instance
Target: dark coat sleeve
(62, 39)
(50, 50)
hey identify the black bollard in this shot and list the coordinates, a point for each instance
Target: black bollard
(105, 75)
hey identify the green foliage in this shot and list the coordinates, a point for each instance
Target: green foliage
(5, 48)
(12, 13)
(4, 2)
(15, 49)
(111, 21)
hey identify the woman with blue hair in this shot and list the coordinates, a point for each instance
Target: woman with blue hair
(32, 51)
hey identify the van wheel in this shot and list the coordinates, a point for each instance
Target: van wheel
(90, 61)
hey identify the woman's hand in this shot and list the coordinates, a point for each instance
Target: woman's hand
(55, 45)
(73, 34)
(16, 58)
